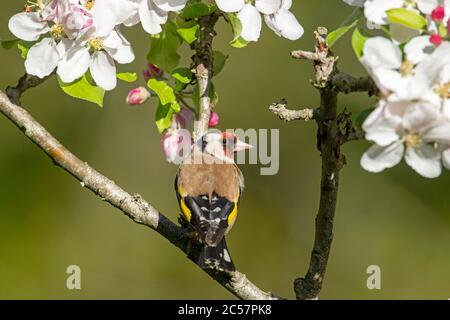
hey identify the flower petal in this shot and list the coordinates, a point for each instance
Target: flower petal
(27, 26)
(230, 5)
(170, 5)
(74, 64)
(42, 58)
(251, 23)
(268, 6)
(381, 129)
(151, 17)
(285, 24)
(103, 70)
(380, 52)
(418, 49)
(425, 160)
(378, 158)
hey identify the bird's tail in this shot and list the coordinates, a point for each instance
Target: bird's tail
(216, 257)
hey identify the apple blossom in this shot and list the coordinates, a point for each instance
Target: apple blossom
(399, 78)
(96, 53)
(152, 72)
(214, 120)
(50, 21)
(276, 13)
(153, 13)
(138, 96)
(413, 130)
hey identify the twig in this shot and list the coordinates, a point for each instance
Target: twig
(345, 83)
(203, 68)
(25, 82)
(287, 115)
(133, 206)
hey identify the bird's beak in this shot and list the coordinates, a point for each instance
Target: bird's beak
(240, 146)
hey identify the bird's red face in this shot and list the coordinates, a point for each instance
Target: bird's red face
(232, 144)
(223, 145)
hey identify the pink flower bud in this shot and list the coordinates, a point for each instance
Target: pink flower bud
(436, 39)
(214, 120)
(448, 26)
(438, 14)
(176, 144)
(138, 96)
(152, 72)
(184, 118)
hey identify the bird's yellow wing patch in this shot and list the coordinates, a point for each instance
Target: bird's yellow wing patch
(184, 208)
(232, 214)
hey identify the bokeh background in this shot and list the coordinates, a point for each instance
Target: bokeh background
(396, 219)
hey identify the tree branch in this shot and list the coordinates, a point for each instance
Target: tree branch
(345, 83)
(134, 206)
(287, 115)
(25, 82)
(333, 131)
(203, 68)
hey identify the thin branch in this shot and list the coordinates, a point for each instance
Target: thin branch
(134, 206)
(25, 82)
(203, 68)
(329, 140)
(287, 115)
(345, 83)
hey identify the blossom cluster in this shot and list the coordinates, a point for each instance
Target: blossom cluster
(74, 36)
(412, 118)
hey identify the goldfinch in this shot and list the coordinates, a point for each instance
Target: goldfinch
(209, 186)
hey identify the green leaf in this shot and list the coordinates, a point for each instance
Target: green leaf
(127, 76)
(358, 41)
(348, 25)
(24, 47)
(188, 31)
(236, 25)
(162, 90)
(84, 89)
(196, 10)
(163, 117)
(183, 75)
(8, 44)
(219, 62)
(164, 48)
(407, 18)
(362, 116)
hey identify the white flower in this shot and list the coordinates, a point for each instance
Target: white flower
(108, 14)
(375, 10)
(284, 23)
(416, 131)
(49, 19)
(398, 78)
(153, 13)
(277, 17)
(96, 53)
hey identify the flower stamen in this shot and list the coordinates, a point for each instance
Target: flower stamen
(89, 4)
(444, 91)
(57, 31)
(412, 140)
(96, 44)
(407, 68)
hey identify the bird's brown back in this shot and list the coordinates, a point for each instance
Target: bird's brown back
(205, 178)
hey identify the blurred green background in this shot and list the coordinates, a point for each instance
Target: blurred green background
(396, 219)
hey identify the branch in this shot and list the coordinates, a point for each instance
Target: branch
(287, 115)
(25, 82)
(203, 68)
(333, 130)
(133, 206)
(346, 83)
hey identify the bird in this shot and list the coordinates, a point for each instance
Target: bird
(209, 186)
